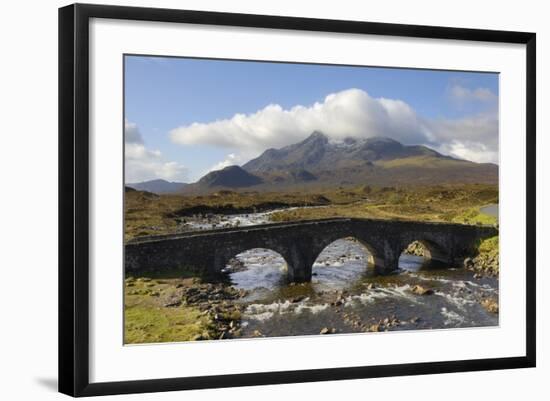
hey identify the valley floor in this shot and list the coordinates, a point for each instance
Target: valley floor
(179, 306)
(151, 214)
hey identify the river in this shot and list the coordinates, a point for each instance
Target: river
(345, 296)
(233, 220)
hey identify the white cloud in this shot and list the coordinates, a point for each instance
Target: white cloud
(469, 151)
(461, 94)
(142, 164)
(472, 138)
(230, 160)
(138, 151)
(131, 133)
(349, 113)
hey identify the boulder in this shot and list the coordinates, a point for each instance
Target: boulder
(419, 290)
(490, 305)
(375, 328)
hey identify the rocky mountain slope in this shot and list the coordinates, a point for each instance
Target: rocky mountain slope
(319, 162)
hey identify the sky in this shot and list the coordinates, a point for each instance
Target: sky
(185, 117)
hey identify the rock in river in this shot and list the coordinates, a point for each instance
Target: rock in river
(491, 305)
(419, 290)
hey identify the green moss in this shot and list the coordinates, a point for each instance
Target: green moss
(488, 256)
(163, 276)
(489, 245)
(489, 248)
(474, 216)
(149, 324)
(147, 320)
(234, 315)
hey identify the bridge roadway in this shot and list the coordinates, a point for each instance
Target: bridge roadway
(301, 242)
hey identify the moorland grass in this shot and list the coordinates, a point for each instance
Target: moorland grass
(147, 320)
(148, 214)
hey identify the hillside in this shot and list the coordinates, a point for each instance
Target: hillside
(228, 177)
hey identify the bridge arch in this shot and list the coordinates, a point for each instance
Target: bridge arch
(268, 268)
(369, 252)
(226, 254)
(431, 250)
(374, 251)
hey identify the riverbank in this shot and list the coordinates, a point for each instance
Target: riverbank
(486, 262)
(147, 214)
(180, 309)
(344, 296)
(253, 298)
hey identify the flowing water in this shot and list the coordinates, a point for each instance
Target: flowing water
(345, 295)
(232, 220)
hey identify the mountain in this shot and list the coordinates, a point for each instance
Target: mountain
(293, 176)
(158, 186)
(317, 153)
(319, 162)
(229, 177)
(376, 160)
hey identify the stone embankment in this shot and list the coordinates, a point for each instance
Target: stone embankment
(484, 264)
(218, 301)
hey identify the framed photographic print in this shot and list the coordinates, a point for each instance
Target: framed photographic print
(250, 199)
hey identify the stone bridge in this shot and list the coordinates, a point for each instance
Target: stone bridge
(300, 243)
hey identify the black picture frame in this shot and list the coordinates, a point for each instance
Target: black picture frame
(74, 198)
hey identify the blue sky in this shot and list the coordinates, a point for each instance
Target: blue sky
(180, 113)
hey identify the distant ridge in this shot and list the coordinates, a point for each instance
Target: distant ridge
(158, 186)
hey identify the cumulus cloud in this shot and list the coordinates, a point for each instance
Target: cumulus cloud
(472, 138)
(479, 152)
(349, 113)
(142, 164)
(462, 94)
(352, 112)
(131, 133)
